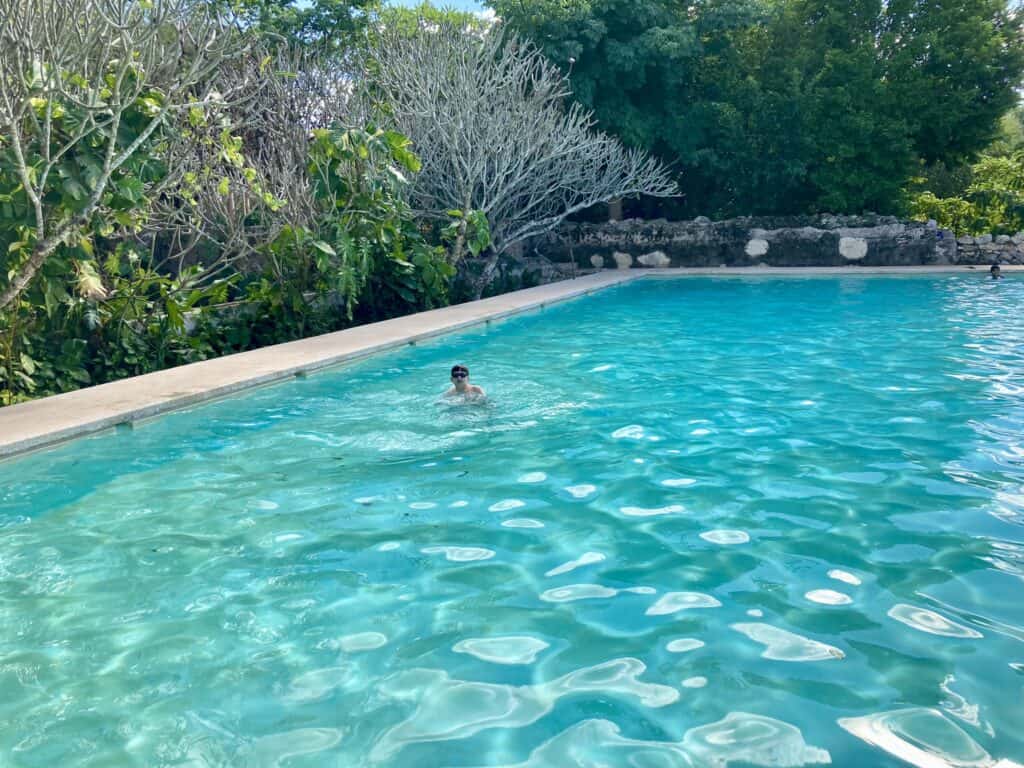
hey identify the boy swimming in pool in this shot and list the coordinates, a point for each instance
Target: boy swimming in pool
(461, 385)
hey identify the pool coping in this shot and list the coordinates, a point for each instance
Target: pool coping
(49, 421)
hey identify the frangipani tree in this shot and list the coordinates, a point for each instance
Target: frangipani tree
(490, 119)
(85, 88)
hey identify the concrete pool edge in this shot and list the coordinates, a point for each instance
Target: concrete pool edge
(46, 422)
(49, 421)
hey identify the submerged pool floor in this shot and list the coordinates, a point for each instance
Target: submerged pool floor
(708, 522)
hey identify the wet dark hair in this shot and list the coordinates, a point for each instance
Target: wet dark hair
(460, 369)
(994, 268)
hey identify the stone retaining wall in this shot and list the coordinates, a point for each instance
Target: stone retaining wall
(1002, 249)
(811, 241)
(780, 242)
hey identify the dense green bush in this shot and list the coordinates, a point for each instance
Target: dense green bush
(992, 202)
(984, 196)
(207, 226)
(365, 257)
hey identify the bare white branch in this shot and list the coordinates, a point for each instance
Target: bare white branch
(490, 119)
(236, 208)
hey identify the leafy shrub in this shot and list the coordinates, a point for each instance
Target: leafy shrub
(993, 202)
(96, 317)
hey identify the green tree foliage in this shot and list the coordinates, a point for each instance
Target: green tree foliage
(854, 149)
(334, 23)
(640, 65)
(991, 199)
(992, 203)
(409, 20)
(788, 106)
(954, 66)
(981, 197)
(1011, 133)
(85, 88)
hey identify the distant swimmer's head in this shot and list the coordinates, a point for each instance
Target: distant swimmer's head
(460, 378)
(996, 272)
(460, 382)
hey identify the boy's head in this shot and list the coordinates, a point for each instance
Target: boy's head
(995, 270)
(460, 373)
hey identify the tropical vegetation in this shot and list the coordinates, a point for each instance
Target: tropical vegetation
(788, 106)
(181, 179)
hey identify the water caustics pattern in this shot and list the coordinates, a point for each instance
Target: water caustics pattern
(712, 522)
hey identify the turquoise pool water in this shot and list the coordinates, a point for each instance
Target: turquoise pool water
(708, 522)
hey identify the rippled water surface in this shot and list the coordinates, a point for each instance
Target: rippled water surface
(707, 522)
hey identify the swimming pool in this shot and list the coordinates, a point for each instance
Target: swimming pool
(772, 522)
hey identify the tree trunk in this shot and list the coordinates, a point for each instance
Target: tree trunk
(26, 273)
(460, 243)
(460, 239)
(485, 276)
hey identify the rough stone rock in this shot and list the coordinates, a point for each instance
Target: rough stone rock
(655, 259)
(983, 239)
(800, 241)
(945, 247)
(874, 233)
(965, 240)
(757, 247)
(511, 273)
(853, 248)
(1018, 239)
(1003, 239)
(622, 260)
(810, 233)
(702, 221)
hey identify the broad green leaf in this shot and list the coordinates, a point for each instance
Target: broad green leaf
(74, 190)
(323, 247)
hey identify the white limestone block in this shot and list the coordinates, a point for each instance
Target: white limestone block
(853, 248)
(757, 247)
(622, 260)
(654, 259)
